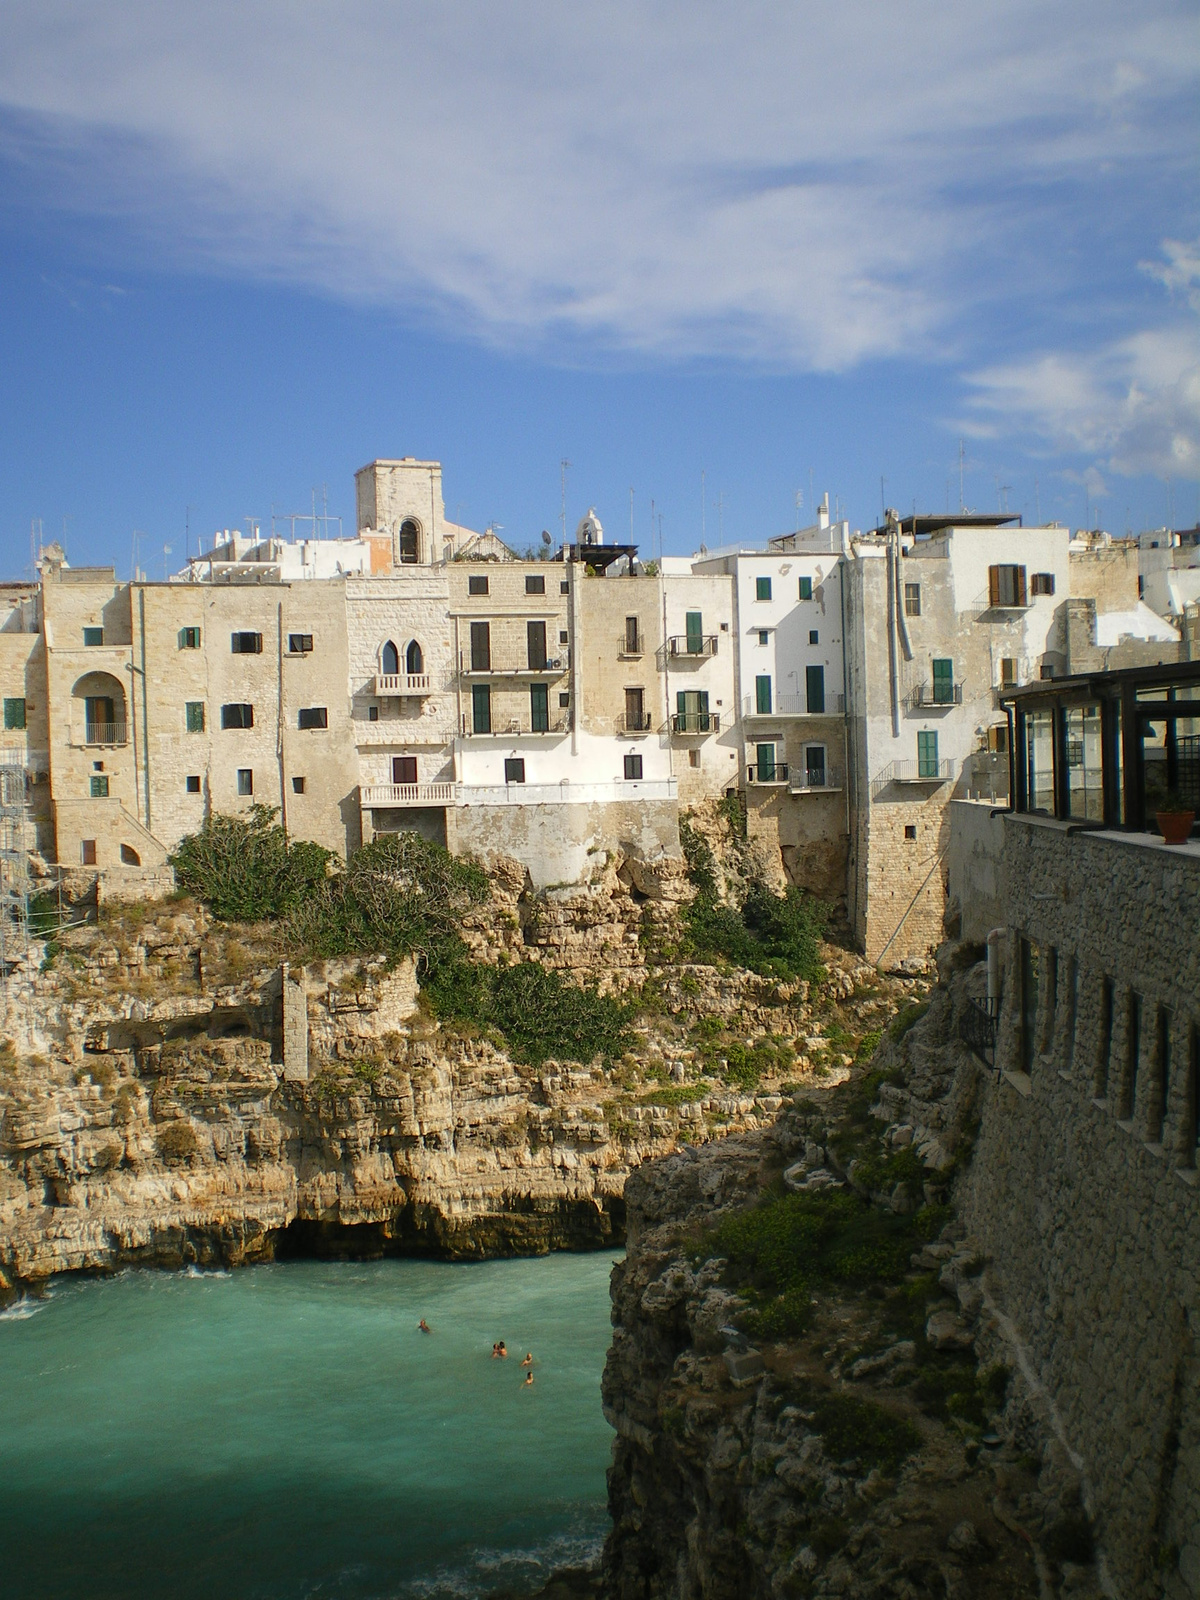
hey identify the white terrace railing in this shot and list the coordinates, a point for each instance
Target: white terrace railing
(385, 795)
(387, 683)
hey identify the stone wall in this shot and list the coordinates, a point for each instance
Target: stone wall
(563, 843)
(1083, 1190)
(973, 868)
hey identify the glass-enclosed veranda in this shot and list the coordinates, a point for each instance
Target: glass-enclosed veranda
(1110, 748)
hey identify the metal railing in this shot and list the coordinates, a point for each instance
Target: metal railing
(814, 780)
(696, 722)
(402, 683)
(642, 723)
(914, 772)
(552, 666)
(937, 694)
(692, 646)
(511, 728)
(630, 648)
(100, 733)
(407, 794)
(978, 1026)
(776, 773)
(794, 705)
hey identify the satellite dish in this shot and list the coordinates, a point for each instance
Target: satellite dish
(545, 537)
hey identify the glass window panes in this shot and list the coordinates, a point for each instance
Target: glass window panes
(245, 780)
(633, 766)
(1039, 761)
(912, 599)
(1085, 780)
(93, 637)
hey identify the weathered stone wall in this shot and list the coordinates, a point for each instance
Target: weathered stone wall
(560, 844)
(1083, 1189)
(975, 888)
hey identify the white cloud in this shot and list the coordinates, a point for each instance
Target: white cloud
(807, 185)
(1134, 405)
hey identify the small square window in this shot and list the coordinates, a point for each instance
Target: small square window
(1042, 583)
(564, 587)
(87, 852)
(97, 766)
(693, 758)
(314, 717)
(764, 636)
(300, 644)
(372, 713)
(93, 637)
(245, 780)
(564, 699)
(192, 783)
(237, 716)
(910, 830)
(806, 588)
(99, 787)
(912, 599)
(563, 636)
(14, 714)
(246, 644)
(193, 712)
(514, 769)
(297, 785)
(633, 766)
(814, 636)
(477, 584)
(189, 638)
(535, 585)
(762, 588)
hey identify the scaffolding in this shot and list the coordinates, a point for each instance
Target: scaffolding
(14, 871)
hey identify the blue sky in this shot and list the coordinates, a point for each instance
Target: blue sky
(794, 247)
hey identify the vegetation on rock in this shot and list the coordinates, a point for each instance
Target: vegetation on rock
(246, 869)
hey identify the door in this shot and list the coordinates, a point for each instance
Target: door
(481, 708)
(691, 711)
(765, 765)
(814, 765)
(694, 625)
(635, 710)
(481, 647)
(98, 712)
(633, 640)
(927, 755)
(762, 696)
(404, 769)
(943, 683)
(535, 644)
(539, 707)
(814, 685)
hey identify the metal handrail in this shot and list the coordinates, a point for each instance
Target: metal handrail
(629, 651)
(814, 779)
(978, 1026)
(934, 694)
(794, 705)
(639, 724)
(774, 774)
(696, 722)
(98, 733)
(692, 646)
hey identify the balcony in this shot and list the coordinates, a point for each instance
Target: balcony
(935, 696)
(407, 794)
(774, 776)
(681, 647)
(814, 780)
(515, 728)
(99, 735)
(695, 724)
(402, 683)
(552, 667)
(631, 727)
(793, 705)
(917, 774)
(630, 649)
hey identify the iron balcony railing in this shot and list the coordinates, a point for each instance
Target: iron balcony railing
(632, 647)
(471, 667)
(978, 1026)
(911, 772)
(696, 722)
(402, 683)
(814, 780)
(692, 646)
(100, 733)
(793, 705)
(937, 694)
(760, 774)
(512, 727)
(630, 724)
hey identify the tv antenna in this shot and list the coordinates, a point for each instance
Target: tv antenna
(563, 465)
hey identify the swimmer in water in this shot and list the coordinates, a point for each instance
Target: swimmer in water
(423, 1326)
(528, 1361)
(502, 1350)
(528, 1384)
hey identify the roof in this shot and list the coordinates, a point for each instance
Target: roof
(1094, 683)
(919, 526)
(597, 555)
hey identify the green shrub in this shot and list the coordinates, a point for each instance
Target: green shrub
(177, 1141)
(537, 1012)
(246, 869)
(907, 1017)
(860, 1430)
(676, 1094)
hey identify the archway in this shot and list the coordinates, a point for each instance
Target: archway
(410, 538)
(98, 709)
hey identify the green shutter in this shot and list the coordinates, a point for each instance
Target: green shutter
(766, 762)
(806, 588)
(194, 711)
(762, 696)
(481, 708)
(943, 683)
(694, 624)
(539, 707)
(927, 755)
(762, 588)
(14, 714)
(814, 683)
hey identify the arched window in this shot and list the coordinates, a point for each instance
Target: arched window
(389, 660)
(414, 661)
(408, 542)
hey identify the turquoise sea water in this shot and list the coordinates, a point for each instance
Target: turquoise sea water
(284, 1432)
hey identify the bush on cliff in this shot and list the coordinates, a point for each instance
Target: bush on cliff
(246, 869)
(777, 936)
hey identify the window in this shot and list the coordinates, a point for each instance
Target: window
(910, 830)
(414, 660)
(564, 587)
(912, 599)
(100, 720)
(1046, 670)
(93, 637)
(535, 646)
(633, 766)
(1039, 761)
(806, 588)
(297, 785)
(1104, 1045)
(814, 765)
(1133, 1050)
(693, 625)
(87, 852)
(562, 636)
(564, 698)
(246, 644)
(762, 696)
(539, 707)
(693, 758)
(189, 638)
(99, 789)
(635, 710)
(245, 781)
(633, 637)
(1008, 672)
(404, 769)
(372, 713)
(300, 644)
(691, 711)
(237, 716)
(1162, 1077)
(193, 716)
(389, 660)
(1042, 583)
(762, 588)
(535, 585)
(514, 769)
(192, 783)
(765, 762)
(943, 682)
(764, 636)
(477, 583)
(997, 738)
(481, 708)
(1027, 967)
(1006, 586)
(814, 690)
(1085, 781)
(481, 647)
(409, 540)
(314, 717)
(814, 636)
(14, 714)
(927, 755)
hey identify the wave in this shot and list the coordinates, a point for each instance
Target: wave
(21, 1310)
(486, 1569)
(206, 1272)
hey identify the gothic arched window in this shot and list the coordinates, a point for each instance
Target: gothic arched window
(408, 542)
(414, 661)
(389, 660)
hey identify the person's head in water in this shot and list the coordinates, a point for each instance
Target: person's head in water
(528, 1379)
(422, 1326)
(502, 1348)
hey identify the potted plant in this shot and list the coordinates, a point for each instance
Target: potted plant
(1175, 818)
